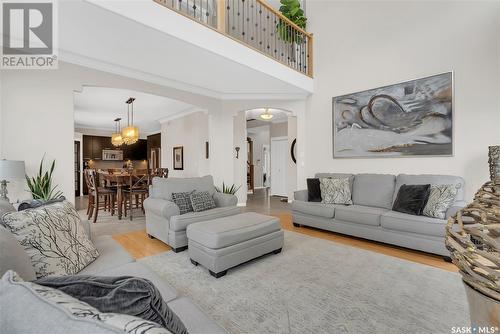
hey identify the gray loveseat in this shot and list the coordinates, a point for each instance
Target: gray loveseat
(370, 216)
(163, 218)
(112, 261)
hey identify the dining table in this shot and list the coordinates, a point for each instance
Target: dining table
(119, 180)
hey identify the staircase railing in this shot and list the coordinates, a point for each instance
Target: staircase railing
(255, 24)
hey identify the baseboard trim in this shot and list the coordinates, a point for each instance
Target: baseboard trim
(241, 204)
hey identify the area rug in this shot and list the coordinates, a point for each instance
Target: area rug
(321, 287)
(110, 225)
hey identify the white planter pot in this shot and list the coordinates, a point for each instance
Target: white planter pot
(484, 311)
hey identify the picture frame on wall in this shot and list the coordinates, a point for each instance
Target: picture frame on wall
(407, 119)
(178, 158)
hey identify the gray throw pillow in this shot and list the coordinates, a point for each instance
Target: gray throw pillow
(202, 201)
(134, 296)
(47, 307)
(183, 201)
(441, 198)
(53, 237)
(335, 191)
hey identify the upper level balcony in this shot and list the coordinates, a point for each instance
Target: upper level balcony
(227, 49)
(256, 24)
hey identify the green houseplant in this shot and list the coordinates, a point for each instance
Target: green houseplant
(41, 186)
(233, 189)
(291, 10)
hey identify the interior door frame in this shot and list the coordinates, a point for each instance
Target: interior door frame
(275, 139)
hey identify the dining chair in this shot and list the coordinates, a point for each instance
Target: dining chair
(96, 193)
(160, 172)
(138, 189)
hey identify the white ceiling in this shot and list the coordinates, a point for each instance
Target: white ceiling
(97, 107)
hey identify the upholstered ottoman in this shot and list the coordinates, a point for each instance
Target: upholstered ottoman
(226, 242)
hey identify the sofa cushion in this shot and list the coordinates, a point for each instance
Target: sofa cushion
(314, 209)
(374, 190)
(183, 201)
(53, 238)
(412, 198)
(52, 311)
(431, 179)
(202, 201)
(138, 269)
(335, 191)
(227, 231)
(132, 295)
(313, 190)
(164, 187)
(14, 257)
(336, 176)
(441, 198)
(365, 215)
(179, 223)
(111, 254)
(414, 224)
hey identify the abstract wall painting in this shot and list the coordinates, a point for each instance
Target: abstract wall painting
(413, 118)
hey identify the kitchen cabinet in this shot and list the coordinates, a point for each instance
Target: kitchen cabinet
(137, 151)
(87, 147)
(93, 146)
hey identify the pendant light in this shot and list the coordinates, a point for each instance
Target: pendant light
(130, 134)
(116, 137)
(266, 115)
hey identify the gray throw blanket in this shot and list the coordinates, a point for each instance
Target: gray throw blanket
(126, 295)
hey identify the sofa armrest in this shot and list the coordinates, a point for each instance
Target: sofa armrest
(223, 200)
(161, 207)
(452, 210)
(301, 195)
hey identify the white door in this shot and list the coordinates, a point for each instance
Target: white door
(279, 147)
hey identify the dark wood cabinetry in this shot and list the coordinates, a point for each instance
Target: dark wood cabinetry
(93, 146)
(137, 151)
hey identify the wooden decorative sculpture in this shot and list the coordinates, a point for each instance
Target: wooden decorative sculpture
(473, 238)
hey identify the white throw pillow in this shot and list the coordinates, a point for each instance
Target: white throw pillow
(441, 198)
(53, 237)
(335, 190)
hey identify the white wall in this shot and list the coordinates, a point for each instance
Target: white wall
(363, 45)
(191, 132)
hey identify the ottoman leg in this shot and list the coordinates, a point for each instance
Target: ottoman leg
(219, 274)
(151, 237)
(179, 249)
(447, 259)
(296, 225)
(194, 262)
(277, 251)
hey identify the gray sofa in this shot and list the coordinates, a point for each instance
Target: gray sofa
(163, 219)
(370, 216)
(112, 261)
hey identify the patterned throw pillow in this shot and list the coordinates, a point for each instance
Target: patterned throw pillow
(53, 237)
(183, 201)
(202, 201)
(81, 310)
(335, 191)
(441, 198)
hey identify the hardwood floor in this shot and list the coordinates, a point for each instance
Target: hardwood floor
(139, 245)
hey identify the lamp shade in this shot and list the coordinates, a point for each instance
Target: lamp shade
(116, 139)
(130, 135)
(12, 170)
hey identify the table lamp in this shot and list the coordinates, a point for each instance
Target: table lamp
(10, 170)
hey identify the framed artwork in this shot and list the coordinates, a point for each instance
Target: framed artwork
(178, 158)
(412, 118)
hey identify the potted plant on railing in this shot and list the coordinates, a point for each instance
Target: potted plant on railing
(291, 10)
